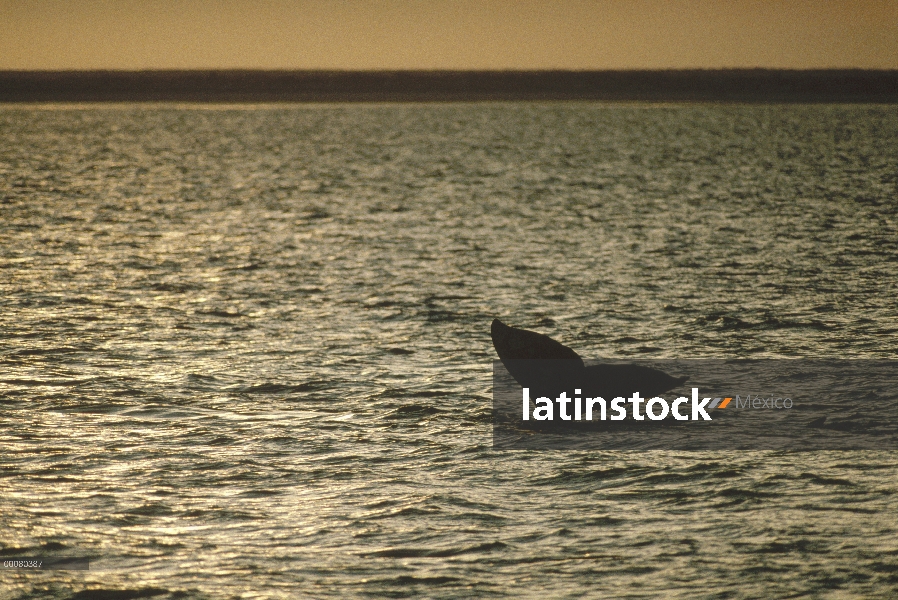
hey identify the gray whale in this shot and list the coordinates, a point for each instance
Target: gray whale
(538, 362)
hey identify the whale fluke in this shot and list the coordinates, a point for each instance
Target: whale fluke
(519, 344)
(566, 369)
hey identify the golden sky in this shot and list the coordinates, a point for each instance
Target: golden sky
(444, 34)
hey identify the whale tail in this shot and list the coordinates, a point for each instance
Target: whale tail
(512, 343)
(537, 361)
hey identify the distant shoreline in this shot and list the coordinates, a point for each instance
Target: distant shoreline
(239, 86)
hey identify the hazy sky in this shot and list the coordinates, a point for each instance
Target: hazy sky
(442, 34)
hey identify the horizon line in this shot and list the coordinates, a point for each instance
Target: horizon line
(450, 70)
(248, 85)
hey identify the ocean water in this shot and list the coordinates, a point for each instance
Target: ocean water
(245, 352)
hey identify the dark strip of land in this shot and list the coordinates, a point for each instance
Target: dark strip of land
(736, 85)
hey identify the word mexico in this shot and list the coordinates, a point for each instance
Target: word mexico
(589, 409)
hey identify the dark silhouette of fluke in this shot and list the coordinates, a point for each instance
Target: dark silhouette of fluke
(540, 363)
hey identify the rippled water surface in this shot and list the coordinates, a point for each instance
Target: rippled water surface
(245, 351)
